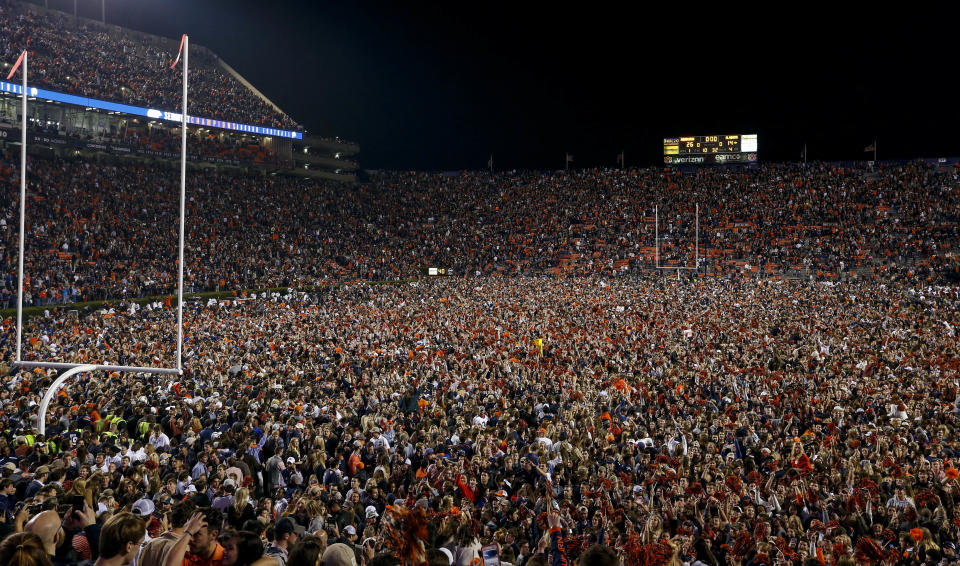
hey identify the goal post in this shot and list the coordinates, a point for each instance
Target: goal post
(72, 369)
(696, 242)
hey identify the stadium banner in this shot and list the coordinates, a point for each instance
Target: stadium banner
(151, 113)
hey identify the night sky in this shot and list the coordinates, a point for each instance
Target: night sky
(424, 87)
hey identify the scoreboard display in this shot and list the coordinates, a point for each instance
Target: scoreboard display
(735, 148)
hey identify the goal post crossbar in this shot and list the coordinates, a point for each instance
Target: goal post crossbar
(105, 367)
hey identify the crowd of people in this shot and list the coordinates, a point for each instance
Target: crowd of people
(99, 231)
(555, 400)
(206, 146)
(528, 421)
(90, 60)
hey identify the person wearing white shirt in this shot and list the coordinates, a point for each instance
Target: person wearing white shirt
(378, 440)
(354, 488)
(897, 411)
(115, 459)
(673, 443)
(100, 464)
(543, 439)
(158, 439)
(900, 500)
(138, 455)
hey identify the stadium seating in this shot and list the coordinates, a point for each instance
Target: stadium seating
(118, 236)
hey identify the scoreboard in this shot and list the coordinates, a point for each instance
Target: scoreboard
(735, 148)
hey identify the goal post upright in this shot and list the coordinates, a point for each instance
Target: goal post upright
(696, 241)
(183, 201)
(23, 215)
(23, 203)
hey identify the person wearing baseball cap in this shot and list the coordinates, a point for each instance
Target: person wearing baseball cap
(339, 554)
(285, 535)
(143, 508)
(949, 550)
(292, 477)
(370, 519)
(350, 535)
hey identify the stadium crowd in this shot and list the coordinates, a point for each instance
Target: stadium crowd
(88, 60)
(720, 421)
(118, 238)
(552, 402)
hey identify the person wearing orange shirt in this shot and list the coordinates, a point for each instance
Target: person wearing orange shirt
(204, 548)
(354, 464)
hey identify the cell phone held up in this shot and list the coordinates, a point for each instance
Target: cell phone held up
(76, 502)
(491, 555)
(73, 503)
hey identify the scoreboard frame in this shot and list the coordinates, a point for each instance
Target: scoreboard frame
(722, 149)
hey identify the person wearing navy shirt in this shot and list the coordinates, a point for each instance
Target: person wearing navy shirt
(8, 498)
(40, 476)
(207, 433)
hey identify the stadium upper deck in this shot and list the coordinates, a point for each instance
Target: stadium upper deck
(234, 124)
(109, 63)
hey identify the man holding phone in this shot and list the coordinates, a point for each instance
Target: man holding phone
(54, 531)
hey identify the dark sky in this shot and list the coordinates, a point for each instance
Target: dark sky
(440, 87)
